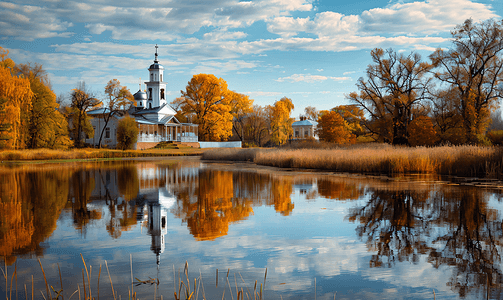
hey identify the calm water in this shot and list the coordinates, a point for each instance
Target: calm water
(317, 234)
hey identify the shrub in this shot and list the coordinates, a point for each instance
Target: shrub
(127, 133)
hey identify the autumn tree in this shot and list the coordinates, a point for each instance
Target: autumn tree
(15, 104)
(311, 113)
(280, 121)
(82, 101)
(473, 68)
(256, 126)
(422, 132)
(119, 100)
(241, 106)
(207, 99)
(394, 86)
(127, 133)
(47, 127)
(332, 128)
(354, 118)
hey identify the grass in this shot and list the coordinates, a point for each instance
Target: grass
(91, 153)
(376, 159)
(182, 286)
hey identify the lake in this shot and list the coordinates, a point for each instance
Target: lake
(301, 235)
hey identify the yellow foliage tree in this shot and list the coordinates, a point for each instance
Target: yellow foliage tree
(241, 106)
(48, 128)
(333, 128)
(16, 97)
(208, 100)
(422, 132)
(280, 121)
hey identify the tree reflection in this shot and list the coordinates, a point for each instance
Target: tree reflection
(209, 216)
(82, 185)
(452, 227)
(31, 200)
(338, 189)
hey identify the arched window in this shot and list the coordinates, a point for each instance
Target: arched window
(161, 77)
(151, 76)
(149, 93)
(162, 93)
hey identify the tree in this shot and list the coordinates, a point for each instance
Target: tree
(354, 118)
(127, 133)
(15, 104)
(280, 121)
(395, 85)
(82, 101)
(119, 99)
(241, 106)
(422, 132)
(256, 126)
(473, 68)
(47, 127)
(332, 128)
(207, 98)
(311, 113)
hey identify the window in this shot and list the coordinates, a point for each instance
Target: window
(306, 133)
(107, 132)
(155, 132)
(296, 133)
(150, 105)
(162, 93)
(149, 93)
(155, 77)
(161, 77)
(151, 76)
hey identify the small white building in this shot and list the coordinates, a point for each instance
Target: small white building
(304, 129)
(155, 117)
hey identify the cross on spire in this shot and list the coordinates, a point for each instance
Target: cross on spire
(156, 53)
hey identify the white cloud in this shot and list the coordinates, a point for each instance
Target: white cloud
(310, 78)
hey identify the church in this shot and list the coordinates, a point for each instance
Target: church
(154, 116)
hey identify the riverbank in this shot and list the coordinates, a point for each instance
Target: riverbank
(467, 161)
(39, 155)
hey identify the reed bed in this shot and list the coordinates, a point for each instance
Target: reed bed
(90, 153)
(377, 159)
(182, 286)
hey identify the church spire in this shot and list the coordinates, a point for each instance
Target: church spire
(155, 60)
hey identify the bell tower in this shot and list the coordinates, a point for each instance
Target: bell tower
(156, 88)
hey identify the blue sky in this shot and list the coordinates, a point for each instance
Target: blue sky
(312, 51)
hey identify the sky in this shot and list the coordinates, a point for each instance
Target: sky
(311, 51)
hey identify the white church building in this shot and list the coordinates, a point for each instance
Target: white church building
(155, 117)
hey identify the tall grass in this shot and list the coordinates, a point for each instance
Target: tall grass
(181, 284)
(90, 153)
(377, 159)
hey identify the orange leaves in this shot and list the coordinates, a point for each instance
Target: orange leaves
(19, 95)
(332, 128)
(421, 132)
(281, 123)
(207, 98)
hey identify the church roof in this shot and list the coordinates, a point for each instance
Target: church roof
(99, 111)
(150, 110)
(140, 95)
(305, 123)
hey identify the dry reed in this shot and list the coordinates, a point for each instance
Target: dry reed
(90, 153)
(377, 159)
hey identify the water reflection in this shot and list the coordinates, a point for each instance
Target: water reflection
(451, 226)
(448, 227)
